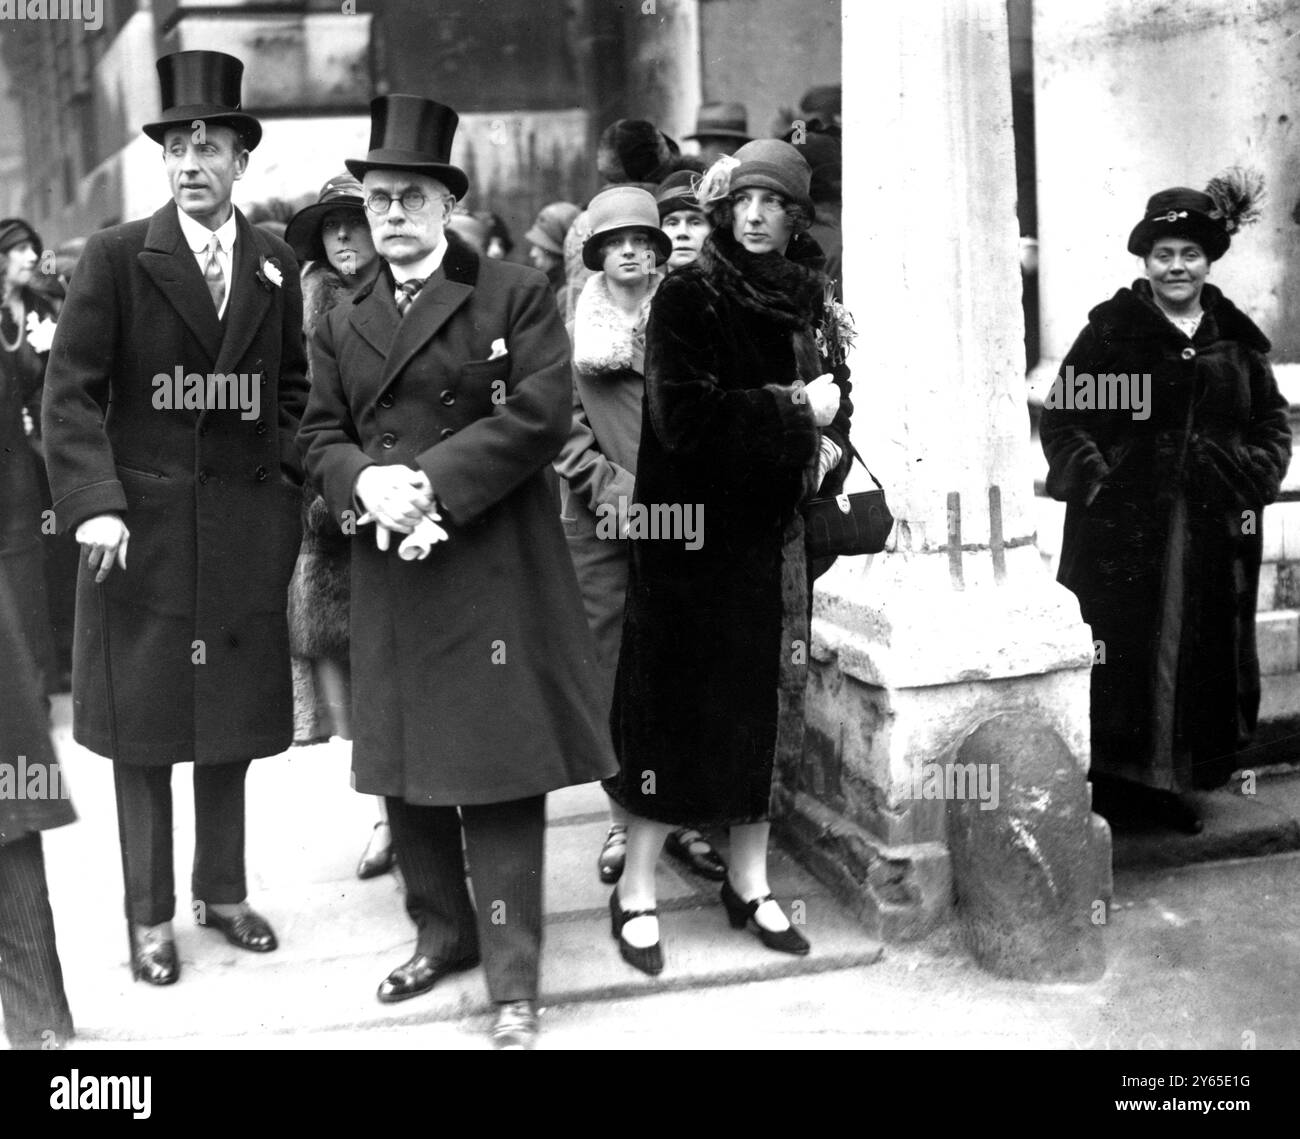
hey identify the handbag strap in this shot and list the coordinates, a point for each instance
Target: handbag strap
(854, 452)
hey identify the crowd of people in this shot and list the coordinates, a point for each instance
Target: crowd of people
(394, 534)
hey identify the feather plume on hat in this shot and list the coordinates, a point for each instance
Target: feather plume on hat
(715, 183)
(1238, 193)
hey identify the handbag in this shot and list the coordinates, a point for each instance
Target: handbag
(846, 524)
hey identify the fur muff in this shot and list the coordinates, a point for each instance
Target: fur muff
(1163, 529)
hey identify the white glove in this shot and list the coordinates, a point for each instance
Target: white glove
(40, 332)
(823, 397)
(416, 545)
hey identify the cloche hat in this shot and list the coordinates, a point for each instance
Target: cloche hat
(623, 207)
(303, 231)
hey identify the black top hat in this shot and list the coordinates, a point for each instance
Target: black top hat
(1181, 212)
(303, 233)
(202, 85)
(408, 132)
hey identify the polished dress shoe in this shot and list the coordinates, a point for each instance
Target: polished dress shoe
(695, 851)
(648, 958)
(516, 1025)
(613, 854)
(378, 857)
(419, 975)
(153, 959)
(247, 929)
(741, 913)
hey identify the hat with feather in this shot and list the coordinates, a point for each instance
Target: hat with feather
(1209, 218)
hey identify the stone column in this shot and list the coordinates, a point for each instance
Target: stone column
(957, 622)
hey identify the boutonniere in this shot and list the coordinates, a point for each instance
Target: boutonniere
(270, 273)
(836, 333)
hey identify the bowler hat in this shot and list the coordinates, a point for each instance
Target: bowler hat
(411, 133)
(623, 207)
(303, 231)
(202, 85)
(1180, 212)
(770, 164)
(552, 225)
(722, 120)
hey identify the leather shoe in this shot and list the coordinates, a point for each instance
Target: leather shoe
(247, 929)
(378, 857)
(692, 849)
(516, 1025)
(419, 975)
(154, 959)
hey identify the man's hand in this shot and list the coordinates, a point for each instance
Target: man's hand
(397, 497)
(105, 537)
(823, 396)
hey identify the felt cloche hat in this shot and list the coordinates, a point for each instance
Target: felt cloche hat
(552, 224)
(770, 164)
(623, 207)
(303, 233)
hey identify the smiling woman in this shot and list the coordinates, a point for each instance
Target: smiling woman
(1163, 525)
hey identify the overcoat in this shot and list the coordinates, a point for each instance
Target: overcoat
(472, 671)
(196, 623)
(709, 684)
(1163, 528)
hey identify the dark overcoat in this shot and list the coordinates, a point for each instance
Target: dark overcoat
(1163, 530)
(709, 676)
(196, 623)
(472, 671)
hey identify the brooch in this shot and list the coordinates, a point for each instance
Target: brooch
(270, 273)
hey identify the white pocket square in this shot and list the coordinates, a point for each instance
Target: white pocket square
(498, 349)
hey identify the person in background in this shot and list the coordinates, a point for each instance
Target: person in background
(546, 241)
(470, 230)
(823, 153)
(26, 332)
(1165, 497)
(332, 237)
(720, 128)
(681, 218)
(498, 243)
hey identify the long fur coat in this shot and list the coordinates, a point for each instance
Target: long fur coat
(709, 689)
(1164, 529)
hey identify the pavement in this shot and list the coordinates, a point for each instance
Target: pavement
(1202, 943)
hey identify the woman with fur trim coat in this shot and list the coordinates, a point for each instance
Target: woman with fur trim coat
(1166, 477)
(744, 421)
(597, 465)
(332, 238)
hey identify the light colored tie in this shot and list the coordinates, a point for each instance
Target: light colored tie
(212, 274)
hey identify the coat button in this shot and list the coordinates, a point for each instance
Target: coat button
(446, 433)
(260, 474)
(386, 400)
(203, 476)
(388, 440)
(447, 398)
(1188, 353)
(260, 429)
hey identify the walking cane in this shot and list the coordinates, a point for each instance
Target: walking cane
(117, 786)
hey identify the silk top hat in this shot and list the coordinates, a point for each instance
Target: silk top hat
(623, 207)
(303, 231)
(408, 132)
(722, 120)
(202, 85)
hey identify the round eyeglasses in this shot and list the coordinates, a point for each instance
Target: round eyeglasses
(411, 201)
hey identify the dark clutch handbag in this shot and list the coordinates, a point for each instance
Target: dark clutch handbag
(848, 524)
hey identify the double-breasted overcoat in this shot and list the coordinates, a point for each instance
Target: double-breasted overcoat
(473, 670)
(196, 623)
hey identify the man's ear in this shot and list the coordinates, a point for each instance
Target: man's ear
(241, 164)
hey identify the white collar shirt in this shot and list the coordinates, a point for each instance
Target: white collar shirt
(198, 236)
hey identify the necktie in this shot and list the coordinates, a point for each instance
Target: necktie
(212, 274)
(406, 294)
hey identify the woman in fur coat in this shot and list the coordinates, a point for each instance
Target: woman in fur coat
(332, 238)
(1166, 436)
(743, 422)
(597, 465)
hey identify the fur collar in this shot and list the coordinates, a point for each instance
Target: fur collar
(603, 341)
(1132, 314)
(786, 288)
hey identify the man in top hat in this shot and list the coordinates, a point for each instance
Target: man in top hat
(720, 128)
(174, 389)
(440, 395)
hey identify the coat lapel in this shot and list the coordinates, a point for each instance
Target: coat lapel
(432, 308)
(171, 266)
(249, 300)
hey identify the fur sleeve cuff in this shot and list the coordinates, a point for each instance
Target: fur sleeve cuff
(796, 436)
